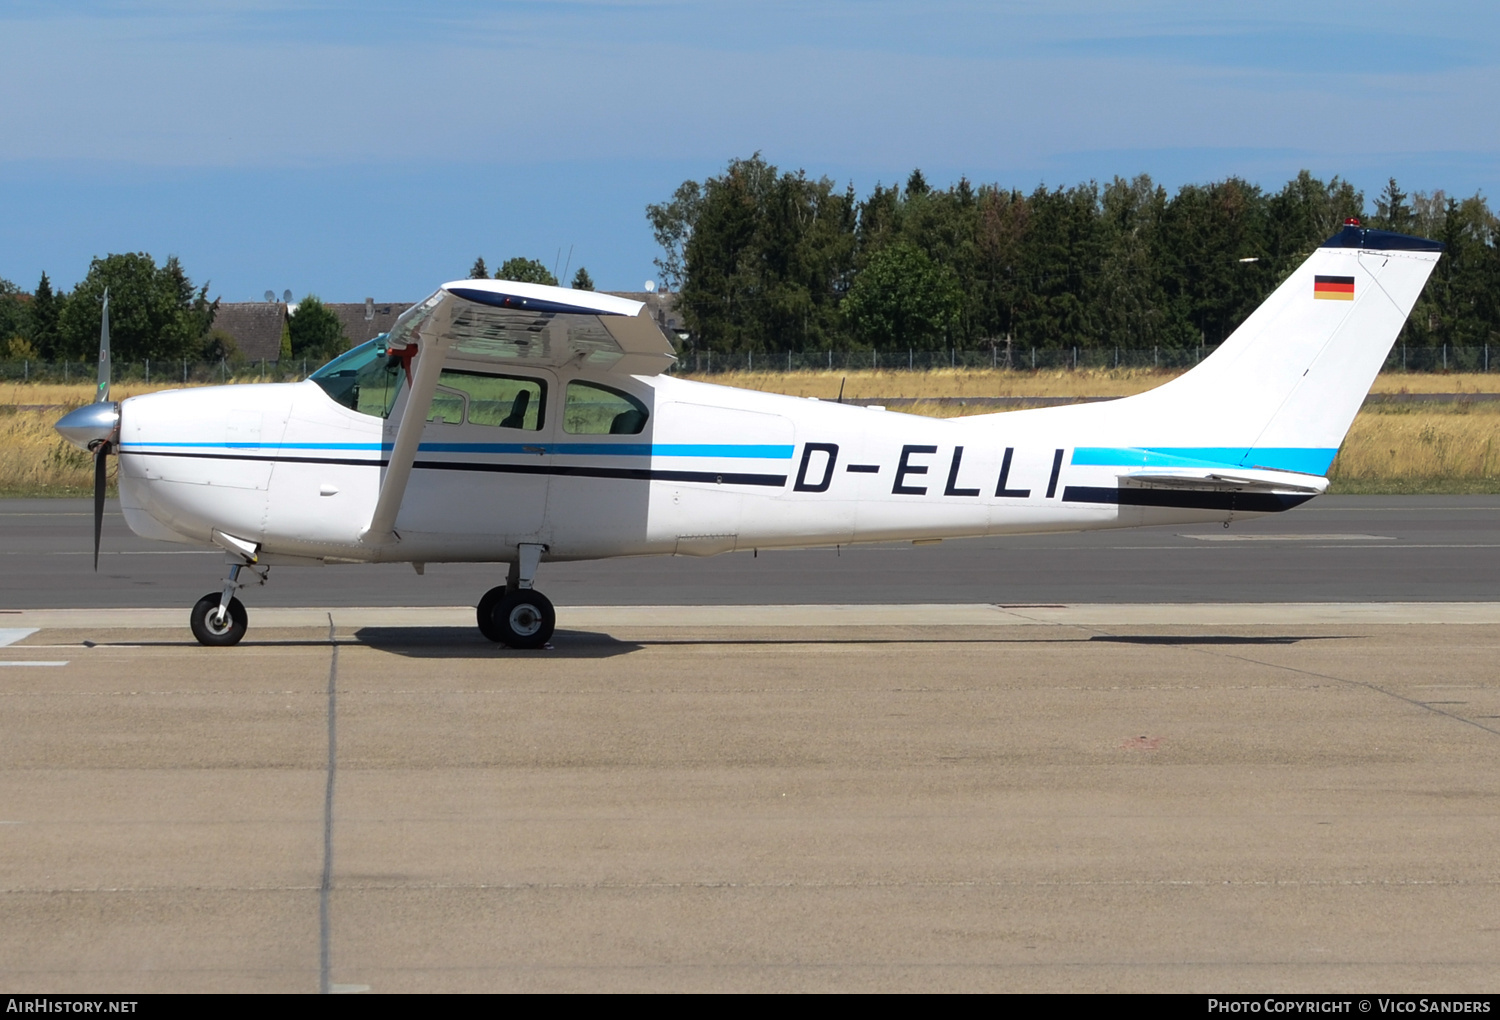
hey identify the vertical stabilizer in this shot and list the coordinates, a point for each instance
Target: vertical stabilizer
(1283, 390)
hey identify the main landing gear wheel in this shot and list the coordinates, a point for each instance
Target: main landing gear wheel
(524, 618)
(486, 613)
(209, 629)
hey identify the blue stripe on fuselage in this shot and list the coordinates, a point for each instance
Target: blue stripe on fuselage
(1303, 460)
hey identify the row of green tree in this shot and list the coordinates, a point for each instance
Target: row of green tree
(770, 261)
(765, 260)
(155, 312)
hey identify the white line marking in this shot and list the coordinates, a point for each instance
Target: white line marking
(66, 513)
(1179, 548)
(121, 552)
(1290, 538)
(38, 663)
(10, 635)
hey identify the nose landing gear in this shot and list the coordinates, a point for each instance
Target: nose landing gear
(517, 615)
(219, 619)
(216, 624)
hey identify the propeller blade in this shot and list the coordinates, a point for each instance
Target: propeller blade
(101, 479)
(104, 370)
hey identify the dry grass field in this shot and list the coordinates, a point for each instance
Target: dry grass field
(1451, 448)
(945, 382)
(1391, 448)
(34, 460)
(13, 394)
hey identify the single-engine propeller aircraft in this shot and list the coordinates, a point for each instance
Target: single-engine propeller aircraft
(512, 423)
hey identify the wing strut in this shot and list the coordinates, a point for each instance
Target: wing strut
(432, 350)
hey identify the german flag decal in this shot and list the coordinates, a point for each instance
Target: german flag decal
(1333, 288)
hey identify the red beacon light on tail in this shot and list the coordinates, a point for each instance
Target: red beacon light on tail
(1352, 221)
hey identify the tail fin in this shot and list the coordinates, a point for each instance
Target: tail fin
(1283, 390)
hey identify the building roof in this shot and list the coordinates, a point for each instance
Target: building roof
(368, 319)
(255, 326)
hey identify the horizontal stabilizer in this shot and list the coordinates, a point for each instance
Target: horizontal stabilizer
(1237, 480)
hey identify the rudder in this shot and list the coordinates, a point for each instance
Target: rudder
(1283, 389)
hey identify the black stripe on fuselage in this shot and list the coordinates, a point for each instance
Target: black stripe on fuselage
(569, 470)
(1187, 499)
(636, 474)
(261, 458)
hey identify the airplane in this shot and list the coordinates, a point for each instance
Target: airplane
(518, 424)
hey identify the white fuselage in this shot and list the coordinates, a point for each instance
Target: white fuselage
(716, 469)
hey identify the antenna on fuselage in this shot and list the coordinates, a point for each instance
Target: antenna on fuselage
(841, 388)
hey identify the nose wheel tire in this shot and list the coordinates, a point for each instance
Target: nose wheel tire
(486, 614)
(523, 618)
(209, 629)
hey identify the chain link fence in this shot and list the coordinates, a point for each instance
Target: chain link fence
(1021, 359)
(1032, 359)
(163, 372)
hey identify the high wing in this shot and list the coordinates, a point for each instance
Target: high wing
(508, 323)
(537, 325)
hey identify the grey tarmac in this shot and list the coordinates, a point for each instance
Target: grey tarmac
(1271, 797)
(1338, 548)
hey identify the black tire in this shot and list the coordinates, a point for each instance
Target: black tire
(206, 628)
(525, 619)
(485, 613)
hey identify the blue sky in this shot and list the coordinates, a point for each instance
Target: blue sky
(374, 149)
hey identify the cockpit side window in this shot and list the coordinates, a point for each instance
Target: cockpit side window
(499, 401)
(594, 410)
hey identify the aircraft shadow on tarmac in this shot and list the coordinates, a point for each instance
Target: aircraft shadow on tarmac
(1213, 639)
(468, 643)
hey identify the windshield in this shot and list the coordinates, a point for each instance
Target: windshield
(365, 379)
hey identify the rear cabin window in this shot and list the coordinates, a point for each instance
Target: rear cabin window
(593, 410)
(499, 401)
